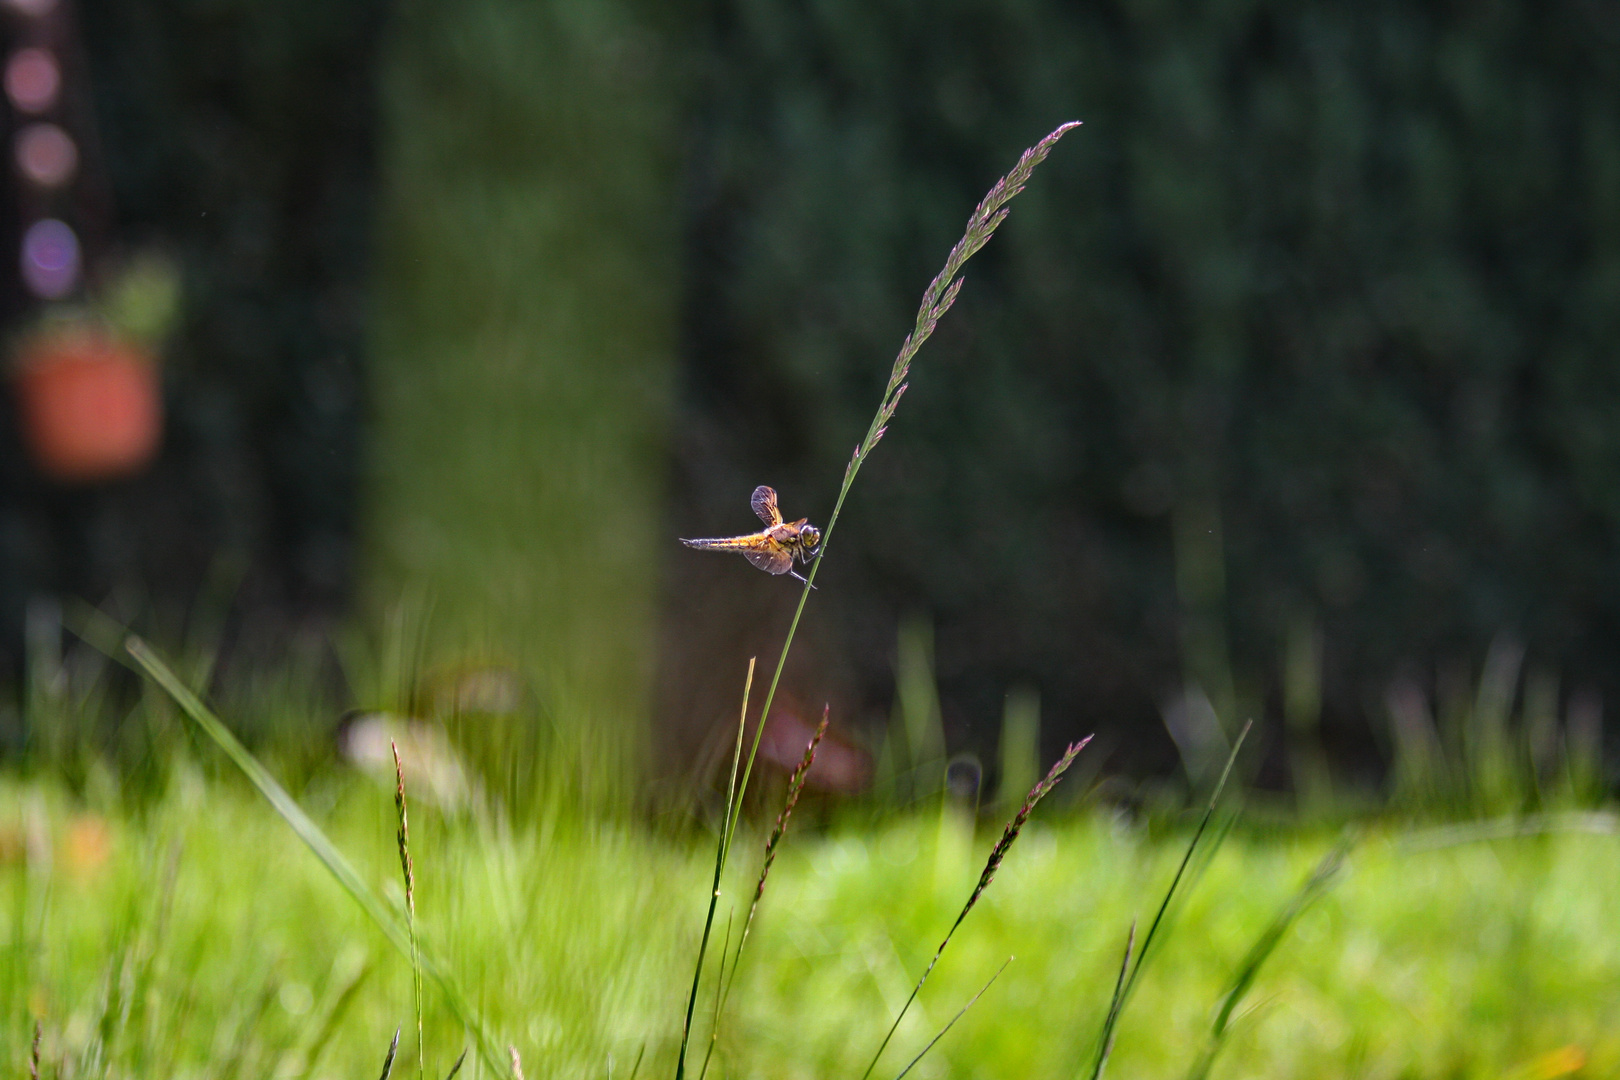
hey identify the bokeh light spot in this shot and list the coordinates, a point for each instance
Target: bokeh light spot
(33, 80)
(46, 155)
(50, 259)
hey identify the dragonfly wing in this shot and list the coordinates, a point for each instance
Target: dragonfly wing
(764, 504)
(771, 559)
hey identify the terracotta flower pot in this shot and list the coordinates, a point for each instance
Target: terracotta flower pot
(91, 406)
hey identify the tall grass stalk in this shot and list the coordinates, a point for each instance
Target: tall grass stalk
(1126, 983)
(410, 900)
(937, 300)
(794, 789)
(997, 854)
(318, 842)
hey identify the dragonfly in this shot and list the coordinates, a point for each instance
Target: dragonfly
(774, 548)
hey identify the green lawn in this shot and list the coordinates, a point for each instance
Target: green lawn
(198, 937)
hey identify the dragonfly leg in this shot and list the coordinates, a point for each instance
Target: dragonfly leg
(806, 580)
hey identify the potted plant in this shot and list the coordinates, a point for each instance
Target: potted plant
(87, 383)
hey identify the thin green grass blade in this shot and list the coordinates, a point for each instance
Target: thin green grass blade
(317, 841)
(1106, 1039)
(1009, 836)
(388, 1062)
(1319, 881)
(720, 986)
(795, 786)
(733, 791)
(1192, 847)
(334, 1016)
(959, 1014)
(723, 849)
(1116, 1003)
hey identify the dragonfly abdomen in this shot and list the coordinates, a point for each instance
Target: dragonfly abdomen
(725, 543)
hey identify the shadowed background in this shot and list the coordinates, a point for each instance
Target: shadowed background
(1287, 389)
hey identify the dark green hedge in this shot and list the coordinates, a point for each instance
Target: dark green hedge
(238, 137)
(1324, 297)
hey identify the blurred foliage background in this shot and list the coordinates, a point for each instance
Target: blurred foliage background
(1298, 357)
(238, 141)
(1287, 389)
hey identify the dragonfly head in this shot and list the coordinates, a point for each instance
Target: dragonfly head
(809, 539)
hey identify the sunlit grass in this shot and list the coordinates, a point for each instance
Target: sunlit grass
(575, 940)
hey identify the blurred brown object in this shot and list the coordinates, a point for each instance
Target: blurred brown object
(840, 765)
(432, 766)
(91, 406)
(86, 844)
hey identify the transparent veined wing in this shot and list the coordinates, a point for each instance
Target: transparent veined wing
(764, 504)
(770, 558)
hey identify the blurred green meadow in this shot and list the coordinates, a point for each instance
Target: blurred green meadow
(196, 936)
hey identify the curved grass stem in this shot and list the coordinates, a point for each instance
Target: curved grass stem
(937, 300)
